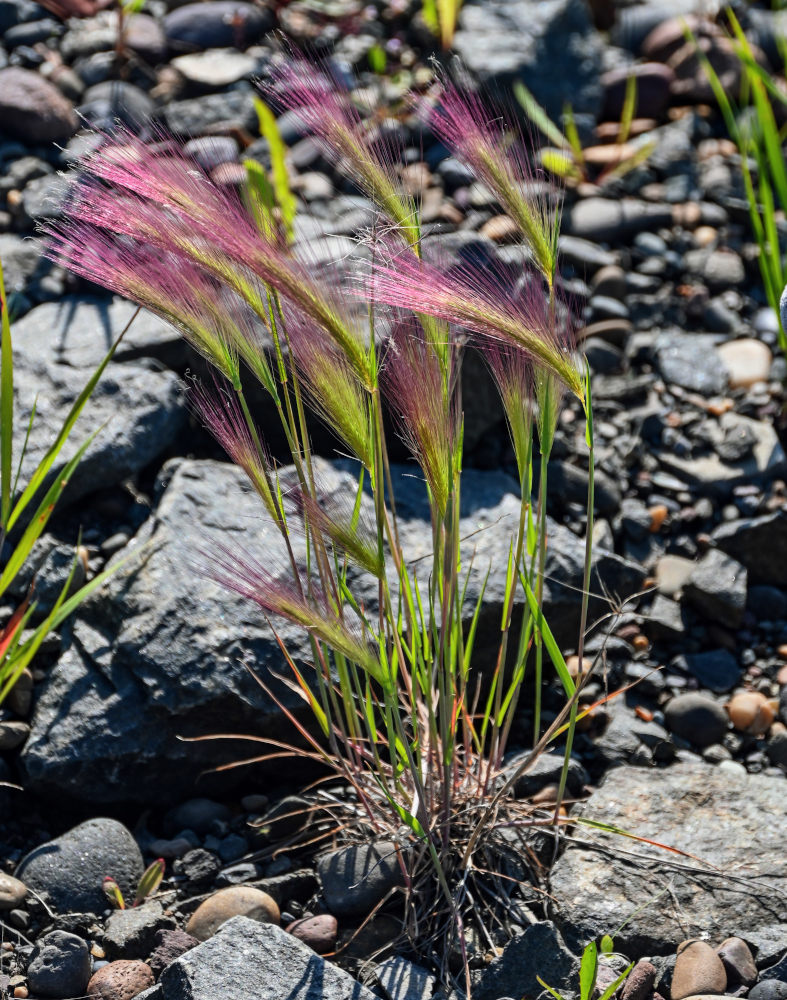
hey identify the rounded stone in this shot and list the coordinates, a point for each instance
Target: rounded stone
(235, 901)
(698, 969)
(769, 989)
(33, 109)
(12, 892)
(318, 932)
(198, 815)
(738, 960)
(59, 966)
(752, 713)
(71, 868)
(120, 980)
(747, 360)
(697, 719)
(639, 985)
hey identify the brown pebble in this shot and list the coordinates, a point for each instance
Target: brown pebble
(738, 961)
(21, 992)
(698, 969)
(499, 229)
(781, 676)
(639, 985)
(234, 901)
(640, 643)
(572, 662)
(318, 932)
(120, 980)
(750, 712)
(782, 651)
(658, 515)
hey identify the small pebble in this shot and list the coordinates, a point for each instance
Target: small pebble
(698, 969)
(750, 712)
(234, 901)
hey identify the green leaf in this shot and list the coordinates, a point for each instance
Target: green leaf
(555, 994)
(377, 59)
(607, 945)
(113, 893)
(557, 658)
(559, 163)
(6, 406)
(429, 14)
(281, 181)
(150, 881)
(629, 106)
(537, 115)
(588, 970)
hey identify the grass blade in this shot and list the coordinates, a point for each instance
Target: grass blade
(6, 407)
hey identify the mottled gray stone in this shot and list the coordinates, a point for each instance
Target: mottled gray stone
(247, 959)
(717, 588)
(691, 361)
(131, 933)
(71, 868)
(160, 652)
(760, 544)
(735, 883)
(354, 879)
(59, 966)
(540, 951)
(403, 980)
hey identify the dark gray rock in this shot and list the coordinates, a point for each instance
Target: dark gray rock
(665, 620)
(545, 770)
(199, 815)
(113, 101)
(136, 411)
(609, 220)
(33, 109)
(22, 263)
(696, 718)
(630, 740)
(59, 966)
(45, 197)
(690, 361)
(195, 116)
(159, 653)
(769, 989)
(716, 669)
(169, 945)
(131, 933)
(216, 24)
(717, 588)
(355, 879)
(728, 883)
(71, 868)
(540, 951)
(245, 958)
(760, 544)
(553, 49)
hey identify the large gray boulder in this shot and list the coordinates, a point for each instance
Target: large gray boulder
(734, 881)
(163, 651)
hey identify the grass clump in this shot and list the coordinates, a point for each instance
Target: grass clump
(399, 708)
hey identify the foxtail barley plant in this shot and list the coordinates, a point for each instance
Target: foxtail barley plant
(399, 709)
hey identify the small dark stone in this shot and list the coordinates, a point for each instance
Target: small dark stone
(696, 718)
(354, 879)
(59, 966)
(170, 944)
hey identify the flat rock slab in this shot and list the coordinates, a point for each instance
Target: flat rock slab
(160, 652)
(734, 824)
(247, 959)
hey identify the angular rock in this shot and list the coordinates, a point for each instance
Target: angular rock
(738, 961)
(170, 944)
(713, 475)
(159, 653)
(142, 409)
(70, 869)
(194, 117)
(403, 980)
(717, 588)
(540, 951)
(33, 109)
(247, 959)
(691, 361)
(716, 817)
(355, 879)
(760, 544)
(78, 331)
(549, 48)
(131, 933)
